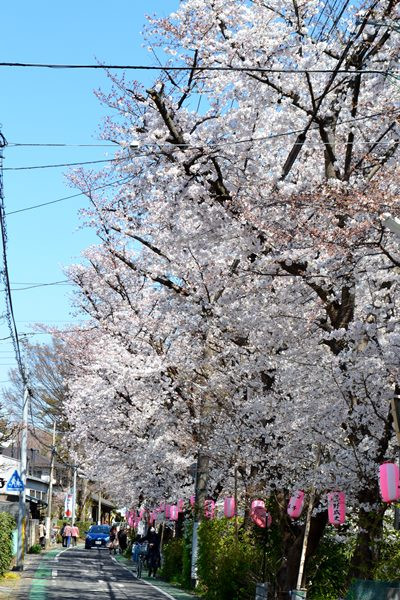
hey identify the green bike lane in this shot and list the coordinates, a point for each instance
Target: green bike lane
(78, 574)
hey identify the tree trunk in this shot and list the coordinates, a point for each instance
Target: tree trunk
(370, 532)
(292, 545)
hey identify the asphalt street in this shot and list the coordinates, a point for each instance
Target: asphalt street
(79, 574)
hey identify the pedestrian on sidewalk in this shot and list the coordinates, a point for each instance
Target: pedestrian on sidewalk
(63, 538)
(153, 553)
(42, 534)
(74, 534)
(113, 543)
(67, 535)
(122, 540)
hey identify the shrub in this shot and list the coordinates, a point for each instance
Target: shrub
(7, 526)
(173, 560)
(35, 549)
(327, 571)
(228, 568)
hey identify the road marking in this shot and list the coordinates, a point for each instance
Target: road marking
(54, 573)
(143, 580)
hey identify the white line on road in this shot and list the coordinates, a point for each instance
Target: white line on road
(146, 582)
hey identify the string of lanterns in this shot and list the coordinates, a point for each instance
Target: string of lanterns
(389, 483)
(258, 513)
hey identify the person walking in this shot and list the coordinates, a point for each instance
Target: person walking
(74, 534)
(153, 553)
(122, 540)
(113, 544)
(42, 534)
(63, 538)
(67, 535)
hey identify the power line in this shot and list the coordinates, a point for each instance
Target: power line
(39, 285)
(193, 146)
(56, 145)
(9, 303)
(62, 331)
(73, 164)
(197, 68)
(88, 191)
(218, 144)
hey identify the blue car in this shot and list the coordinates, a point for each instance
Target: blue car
(98, 536)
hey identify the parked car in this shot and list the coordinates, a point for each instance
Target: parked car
(98, 536)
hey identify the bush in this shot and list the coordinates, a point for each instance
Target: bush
(35, 549)
(7, 526)
(173, 561)
(327, 571)
(228, 568)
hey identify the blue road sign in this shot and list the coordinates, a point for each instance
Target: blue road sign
(15, 483)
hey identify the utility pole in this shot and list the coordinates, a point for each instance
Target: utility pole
(74, 495)
(99, 509)
(50, 498)
(22, 495)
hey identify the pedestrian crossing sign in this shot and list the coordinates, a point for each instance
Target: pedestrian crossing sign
(15, 483)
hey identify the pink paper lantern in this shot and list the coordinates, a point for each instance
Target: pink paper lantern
(389, 482)
(131, 519)
(174, 512)
(192, 500)
(167, 511)
(152, 518)
(256, 503)
(296, 504)
(336, 508)
(181, 505)
(141, 513)
(229, 507)
(259, 514)
(209, 509)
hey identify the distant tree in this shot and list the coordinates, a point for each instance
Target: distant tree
(47, 375)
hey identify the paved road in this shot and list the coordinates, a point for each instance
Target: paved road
(86, 574)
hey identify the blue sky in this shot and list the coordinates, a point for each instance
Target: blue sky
(48, 106)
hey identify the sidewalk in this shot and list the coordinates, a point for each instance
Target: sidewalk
(166, 588)
(34, 569)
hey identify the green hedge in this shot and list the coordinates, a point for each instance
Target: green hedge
(173, 560)
(177, 554)
(7, 526)
(228, 568)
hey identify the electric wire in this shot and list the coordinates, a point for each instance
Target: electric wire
(62, 145)
(40, 285)
(218, 144)
(72, 164)
(198, 68)
(88, 191)
(10, 317)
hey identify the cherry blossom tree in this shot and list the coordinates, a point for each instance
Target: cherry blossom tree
(242, 299)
